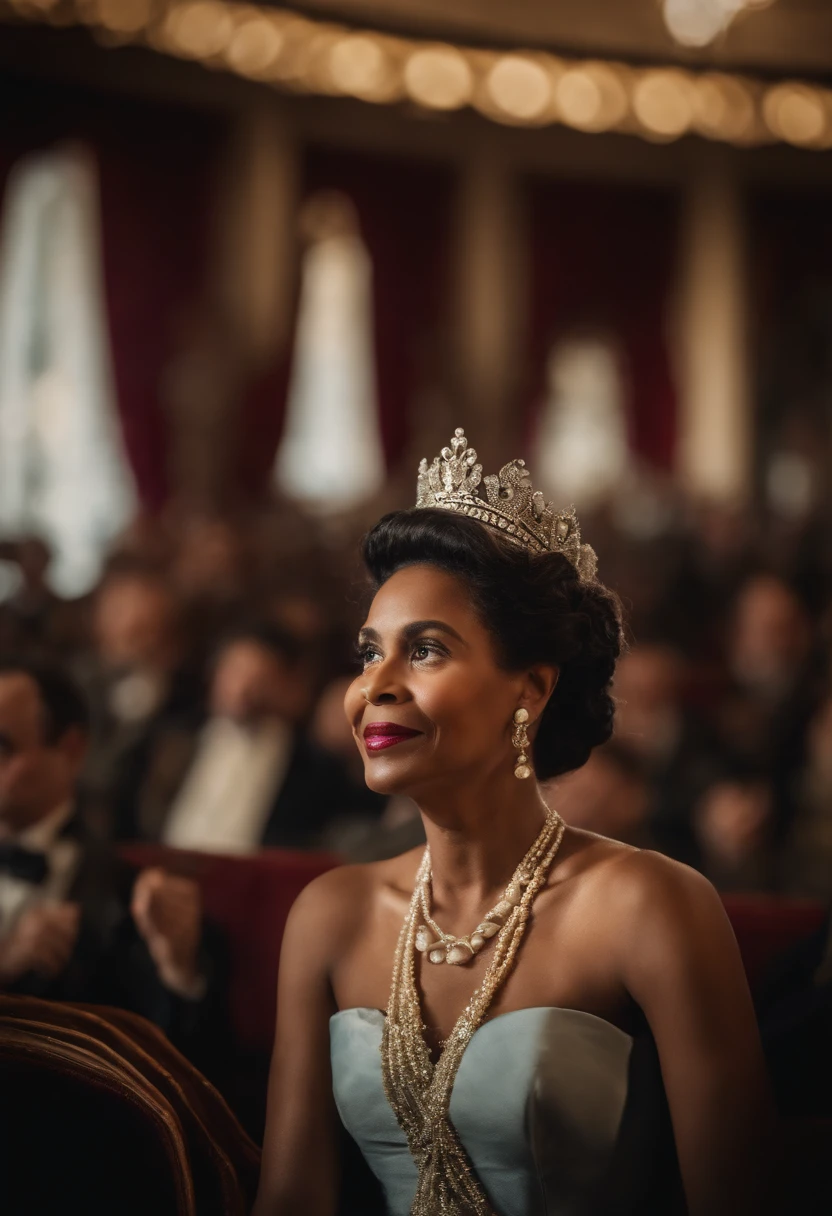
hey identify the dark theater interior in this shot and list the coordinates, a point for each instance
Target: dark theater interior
(257, 261)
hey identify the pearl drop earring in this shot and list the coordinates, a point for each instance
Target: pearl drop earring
(520, 739)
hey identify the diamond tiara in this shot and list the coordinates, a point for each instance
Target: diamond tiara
(510, 505)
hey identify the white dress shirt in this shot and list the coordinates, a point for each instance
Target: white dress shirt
(230, 789)
(62, 857)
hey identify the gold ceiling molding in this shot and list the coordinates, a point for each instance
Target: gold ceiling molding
(520, 88)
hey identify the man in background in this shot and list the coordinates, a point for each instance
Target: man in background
(75, 924)
(256, 778)
(145, 700)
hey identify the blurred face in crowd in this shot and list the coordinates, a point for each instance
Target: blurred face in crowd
(209, 562)
(252, 683)
(731, 820)
(36, 775)
(647, 691)
(135, 623)
(300, 615)
(771, 634)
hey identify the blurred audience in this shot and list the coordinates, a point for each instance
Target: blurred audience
(776, 675)
(256, 778)
(145, 695)
(76, 923)
(32, 617)
(671, 740)
(732, 823)
(213, 735)
(209, 568)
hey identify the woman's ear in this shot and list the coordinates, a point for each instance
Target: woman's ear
(539, 684)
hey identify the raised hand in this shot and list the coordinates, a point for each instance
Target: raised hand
(42, 940)
(167, 912)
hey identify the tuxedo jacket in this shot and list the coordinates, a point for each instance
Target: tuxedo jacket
(315, 789)
(111, 964)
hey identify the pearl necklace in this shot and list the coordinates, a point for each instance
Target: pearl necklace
(418, 1091)
(442, 947)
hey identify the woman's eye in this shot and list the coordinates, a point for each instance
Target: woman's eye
(427, 650)
(367, 654)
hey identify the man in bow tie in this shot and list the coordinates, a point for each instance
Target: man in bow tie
(75, 924)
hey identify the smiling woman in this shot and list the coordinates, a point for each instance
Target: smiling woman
(575, 978)
(523, 610)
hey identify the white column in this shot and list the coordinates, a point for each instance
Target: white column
(489, 298)
(715, 425)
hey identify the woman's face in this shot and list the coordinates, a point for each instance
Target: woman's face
(438, 707)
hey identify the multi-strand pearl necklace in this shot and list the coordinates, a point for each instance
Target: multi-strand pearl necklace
(441, 947)
(418, 1091)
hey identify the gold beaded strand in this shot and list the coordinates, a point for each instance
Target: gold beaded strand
(419, 1091)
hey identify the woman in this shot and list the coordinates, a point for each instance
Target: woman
(519, 961)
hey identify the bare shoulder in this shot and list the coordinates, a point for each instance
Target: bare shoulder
(649, 883)
(638, 888)
(339, 900)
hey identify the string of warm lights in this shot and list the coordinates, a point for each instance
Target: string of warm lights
(290, 52)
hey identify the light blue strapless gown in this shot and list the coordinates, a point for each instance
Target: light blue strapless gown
(543, 1102)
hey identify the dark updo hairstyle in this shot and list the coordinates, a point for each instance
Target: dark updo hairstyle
(537, 610)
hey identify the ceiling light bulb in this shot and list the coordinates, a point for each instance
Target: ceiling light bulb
(696, 22)
(439, 77)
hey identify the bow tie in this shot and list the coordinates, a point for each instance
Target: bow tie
(25, 864)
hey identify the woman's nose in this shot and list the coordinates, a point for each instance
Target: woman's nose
(381, 686)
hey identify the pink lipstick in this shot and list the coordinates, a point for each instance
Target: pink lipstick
(378, 735)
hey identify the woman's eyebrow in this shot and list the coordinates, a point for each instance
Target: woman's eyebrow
(413, 630)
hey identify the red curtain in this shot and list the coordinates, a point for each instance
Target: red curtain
(154, 165)
(155, 170)
(603, 258)
(404, 212)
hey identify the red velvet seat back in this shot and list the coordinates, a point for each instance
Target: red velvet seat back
(767, 926)
(124, 1123)
(249, 898)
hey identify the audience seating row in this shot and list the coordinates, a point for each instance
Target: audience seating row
(250, 897)
(100, 1111)
(106, 1109)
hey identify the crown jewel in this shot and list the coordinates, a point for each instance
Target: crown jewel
(510, 505)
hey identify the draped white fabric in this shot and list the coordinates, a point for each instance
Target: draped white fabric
(331, 455)
(581, 452)
(63, 471)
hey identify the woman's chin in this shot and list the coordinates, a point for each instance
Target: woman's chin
(388, 776)
(385, 784)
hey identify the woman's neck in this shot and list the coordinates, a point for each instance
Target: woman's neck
(476, 847)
